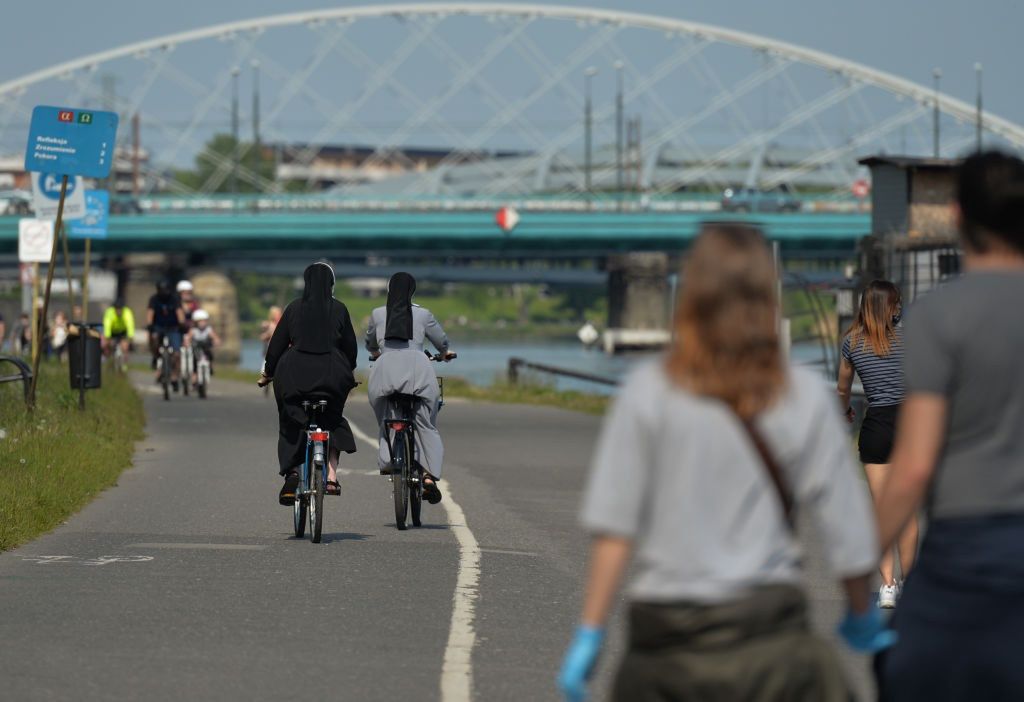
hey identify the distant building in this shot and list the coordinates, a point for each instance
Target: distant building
(13, 175)
(914, 239)
(331, 165)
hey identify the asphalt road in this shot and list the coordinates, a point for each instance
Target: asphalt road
(185, 582)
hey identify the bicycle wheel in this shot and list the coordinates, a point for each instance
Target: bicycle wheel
(400, 478)
(165, 373)
(316, 504)
(202, 380)
(301, 508)
(416, 498)
(185, 369)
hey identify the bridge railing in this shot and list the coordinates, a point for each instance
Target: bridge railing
(515, 365)
(23, 373)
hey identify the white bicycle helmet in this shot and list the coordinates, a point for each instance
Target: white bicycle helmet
(200, 315)
(184, 286)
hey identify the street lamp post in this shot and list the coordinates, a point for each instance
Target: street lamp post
(618, 132)
(234, 130)
(978, 119)
(937, 75)
(588, 126)
(256, 145)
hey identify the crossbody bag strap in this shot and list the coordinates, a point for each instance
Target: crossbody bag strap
(774, 471)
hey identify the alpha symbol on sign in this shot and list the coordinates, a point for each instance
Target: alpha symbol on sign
(67, 116)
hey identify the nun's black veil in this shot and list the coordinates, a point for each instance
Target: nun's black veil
(399, 316)
(315, 331)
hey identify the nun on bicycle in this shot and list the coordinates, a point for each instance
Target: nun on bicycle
(312, 355)
(395, 339)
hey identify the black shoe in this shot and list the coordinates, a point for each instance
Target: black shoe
(287, 495)
(431, 493)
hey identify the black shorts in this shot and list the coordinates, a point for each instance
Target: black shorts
(876, 434)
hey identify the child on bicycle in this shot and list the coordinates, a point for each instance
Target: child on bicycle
(201, 337)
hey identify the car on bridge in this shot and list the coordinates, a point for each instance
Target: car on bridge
(746, 199)
(15, 202)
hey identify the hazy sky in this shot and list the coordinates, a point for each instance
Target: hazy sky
(906, 37)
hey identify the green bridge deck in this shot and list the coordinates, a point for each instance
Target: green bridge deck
(540, 233)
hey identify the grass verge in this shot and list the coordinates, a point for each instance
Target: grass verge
(527, 393)
(56, 459)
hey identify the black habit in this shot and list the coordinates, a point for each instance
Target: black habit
(312, 356)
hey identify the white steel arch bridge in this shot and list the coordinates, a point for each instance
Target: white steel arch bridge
(452, 99)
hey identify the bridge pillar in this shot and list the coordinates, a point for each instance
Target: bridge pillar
(219, 297)
(638, 301)
(214, 289)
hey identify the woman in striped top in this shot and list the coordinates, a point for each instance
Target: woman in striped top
(873, 348)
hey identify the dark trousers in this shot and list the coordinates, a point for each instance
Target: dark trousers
(758, 648)
(961, 616)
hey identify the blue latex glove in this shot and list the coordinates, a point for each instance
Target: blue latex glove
(579, 663)
(867, 632)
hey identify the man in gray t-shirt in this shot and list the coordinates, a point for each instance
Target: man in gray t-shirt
(959, 451)
(963, 343)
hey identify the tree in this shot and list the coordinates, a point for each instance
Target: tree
(214, 166)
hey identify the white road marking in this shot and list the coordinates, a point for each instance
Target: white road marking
(76, 560)
(201, 547)
(457, 669)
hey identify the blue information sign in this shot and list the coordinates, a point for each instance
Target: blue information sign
(92, 225)
(70, 141)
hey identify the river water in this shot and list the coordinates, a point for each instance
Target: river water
(484, 362)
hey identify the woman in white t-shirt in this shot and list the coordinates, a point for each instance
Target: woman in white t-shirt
(701, 463)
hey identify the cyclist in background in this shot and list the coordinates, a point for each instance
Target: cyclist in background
(165, 317)
(118, 327)
(201, 335)
(189, 301)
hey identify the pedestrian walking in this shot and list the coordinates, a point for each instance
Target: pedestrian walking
(959, 451)
(702, 463)
(873, 349)
(21, 336)
(58, 336)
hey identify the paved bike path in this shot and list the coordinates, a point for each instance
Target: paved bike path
(184, 582)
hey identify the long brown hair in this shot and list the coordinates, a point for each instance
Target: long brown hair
(875, 325)
(726, 322)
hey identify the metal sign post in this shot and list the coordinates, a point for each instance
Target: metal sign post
(63, 234)
(92, 225)
(46, 294)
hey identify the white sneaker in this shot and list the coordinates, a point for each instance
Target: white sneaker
(887, 595)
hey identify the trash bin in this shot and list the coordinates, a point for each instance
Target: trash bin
(93, 358)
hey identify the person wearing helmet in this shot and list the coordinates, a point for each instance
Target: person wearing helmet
(118, 327)
(189, 301)
(165, 318)
(201, 336)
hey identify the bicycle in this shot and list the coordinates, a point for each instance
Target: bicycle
(186, 367)
(120, 358)
(163, 365)
(309, 496)
(202, 366)
(406, 472)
